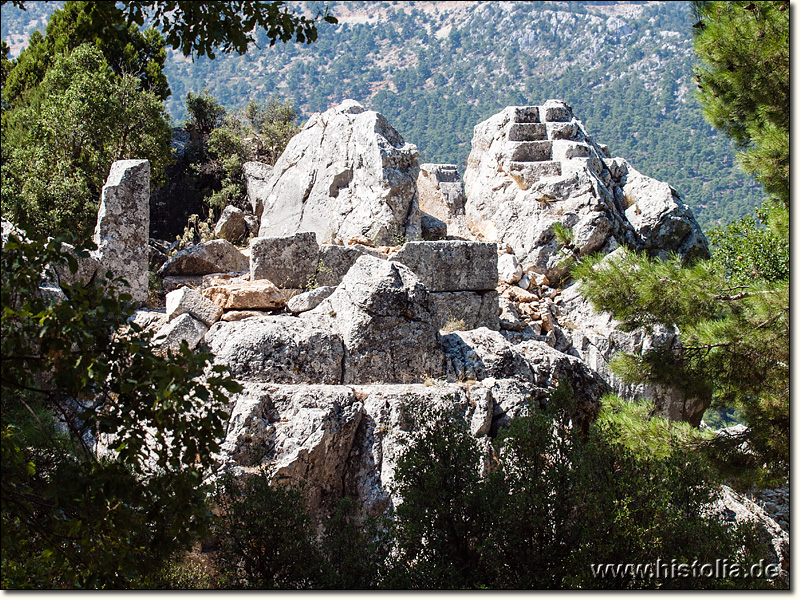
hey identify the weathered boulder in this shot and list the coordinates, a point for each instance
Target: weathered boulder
(123, 225)
(482, 354)
(508, 269)
(256, 177)
(278, 349)
(451, 266)
(189, 301)
(465, 310)
(310, 299)
(661, 219)
(231, 225)
(383, 313)
(533, 168)
(335, 261)
(306, 432)
(509, 317)
(252, 295)
(432, 228)
(184, 328)
(348, 172)
(215, 256)
(288, 261)
(85, 273)
(149, 320)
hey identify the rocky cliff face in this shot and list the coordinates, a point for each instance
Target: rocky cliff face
(331, 374)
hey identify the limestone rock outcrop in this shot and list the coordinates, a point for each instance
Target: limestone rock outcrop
(277, 349)
(123, 225)
(256, 177)
(382, 312)
(532, 167)
(348, 172)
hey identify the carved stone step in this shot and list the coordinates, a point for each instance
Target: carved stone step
(526, 114)
(527, 132)
(531, 151)
(528, 173)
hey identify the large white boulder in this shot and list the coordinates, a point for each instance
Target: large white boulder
(383, 313)
(347, 173)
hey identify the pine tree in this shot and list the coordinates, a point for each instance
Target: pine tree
(732, 311)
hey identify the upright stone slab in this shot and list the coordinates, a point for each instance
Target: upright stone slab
(287, 261)
(452, 266)
(123, 224)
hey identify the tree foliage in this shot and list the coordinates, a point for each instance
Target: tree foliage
(553, 502)
(60, 145)
(743, 83)
(105, 443)
(126, 49)
(732, 312)
(734, 339)
(203, 27)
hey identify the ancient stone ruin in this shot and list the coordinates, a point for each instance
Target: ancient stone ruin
(376, 283)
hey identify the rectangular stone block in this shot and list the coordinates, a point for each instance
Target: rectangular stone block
(527, 132)
(451, 266)
(564, 131)
(525, 114)
(335, 261)
(466, 310)
(531, 151)
(287, 261)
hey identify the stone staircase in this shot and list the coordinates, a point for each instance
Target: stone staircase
(539, 138)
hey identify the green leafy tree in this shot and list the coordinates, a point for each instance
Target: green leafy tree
(105, 443)
(555, 501)
(266, 539)
(202, 27)
(355, 549)
(60, 147)
(733, 311)
(734, 341)
(126, 49)
(439, 525)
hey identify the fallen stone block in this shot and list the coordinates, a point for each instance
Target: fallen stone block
(288, 261)
(262, 294)
(215, 256)
(189, 301)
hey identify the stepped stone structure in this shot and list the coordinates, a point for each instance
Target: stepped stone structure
(532, 167)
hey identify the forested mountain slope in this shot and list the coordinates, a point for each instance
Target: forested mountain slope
(435, 69)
